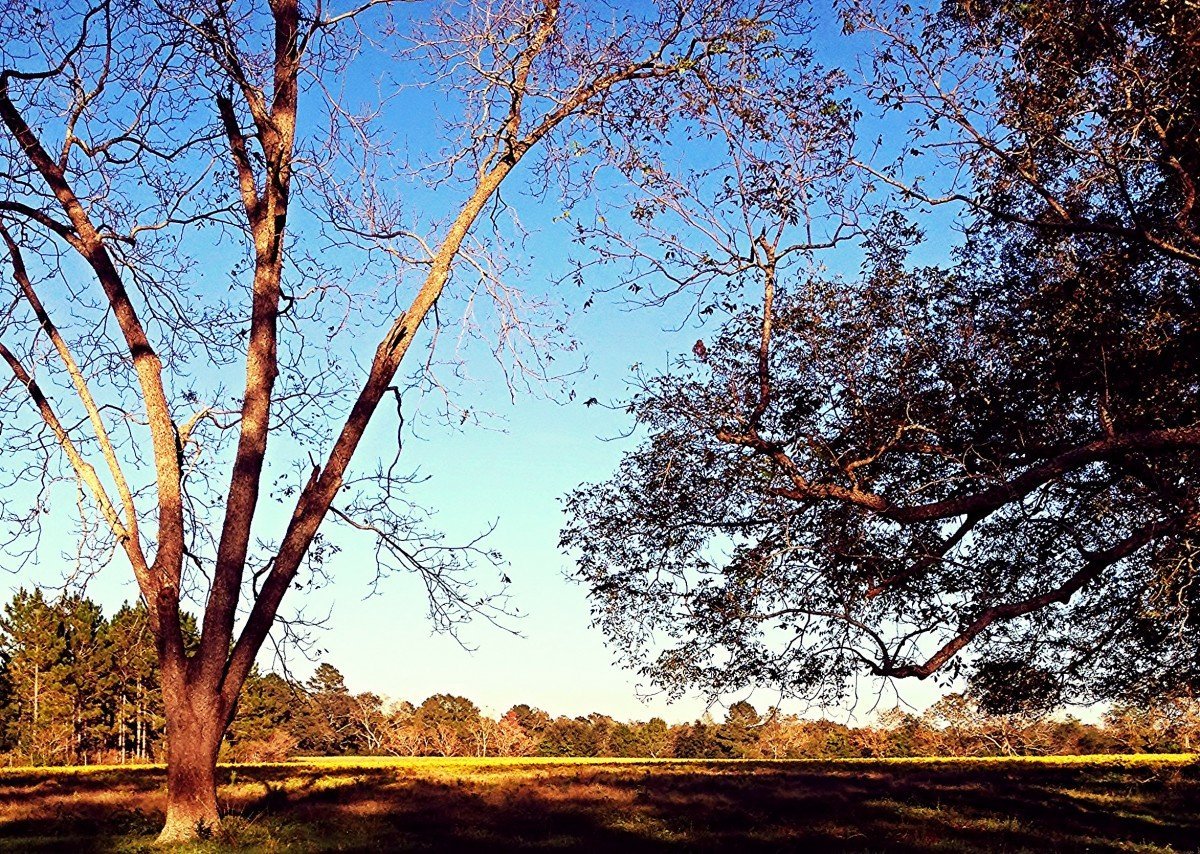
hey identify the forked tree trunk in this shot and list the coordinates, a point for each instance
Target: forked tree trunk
(195, 726)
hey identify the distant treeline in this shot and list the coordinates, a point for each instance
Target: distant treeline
(77, 687)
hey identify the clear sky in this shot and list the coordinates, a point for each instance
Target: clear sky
(512, 471)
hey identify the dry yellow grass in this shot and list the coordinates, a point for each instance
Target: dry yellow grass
(434, 763)
(1122, 803)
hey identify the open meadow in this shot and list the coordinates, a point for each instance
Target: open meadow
(1143, 803)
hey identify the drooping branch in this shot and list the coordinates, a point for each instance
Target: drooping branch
(1094, 565)
(87, 475)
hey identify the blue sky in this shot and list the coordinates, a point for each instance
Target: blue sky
(513, 471)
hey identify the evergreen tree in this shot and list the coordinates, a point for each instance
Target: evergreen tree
(137, 720)
(34, 647)
(331, 703)
(448, 722)
(88, 674)
(737, 737)
(695, 742)
(269, 703)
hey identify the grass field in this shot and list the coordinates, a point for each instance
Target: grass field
(360, 804)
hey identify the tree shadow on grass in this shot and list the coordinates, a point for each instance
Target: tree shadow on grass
(631, 808)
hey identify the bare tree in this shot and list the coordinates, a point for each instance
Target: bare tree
(149, 145)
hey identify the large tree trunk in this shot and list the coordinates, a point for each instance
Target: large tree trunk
(195, 726)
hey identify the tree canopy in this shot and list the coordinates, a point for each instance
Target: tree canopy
(984, 466)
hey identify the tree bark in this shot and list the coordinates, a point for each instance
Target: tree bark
(195, 726)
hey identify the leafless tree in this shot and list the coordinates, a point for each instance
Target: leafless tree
(149, 149)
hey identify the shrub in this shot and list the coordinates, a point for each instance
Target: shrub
(278, 748)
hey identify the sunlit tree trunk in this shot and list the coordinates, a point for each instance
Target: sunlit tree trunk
(196, 722)
(36, 698)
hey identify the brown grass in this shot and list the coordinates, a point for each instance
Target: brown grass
(599, 805)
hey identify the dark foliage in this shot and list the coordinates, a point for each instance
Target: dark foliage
(984, 468)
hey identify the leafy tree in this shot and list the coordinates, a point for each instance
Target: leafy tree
(650, 738)
(984, 468)
(695, 741)
(737, 737)
(274, 716)
(566, 736)
(907, 734)
(448, 723)
(327, 680)
(1071, 736)
(600, 734)
(509, 738)
(1167, 724)
(824, 739)
(333, 709)
(534, 721)
(653, 737)
(623, 740)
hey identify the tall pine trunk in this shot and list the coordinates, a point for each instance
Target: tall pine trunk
(121, 727)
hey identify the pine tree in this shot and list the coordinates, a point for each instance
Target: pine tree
(331, 701)
(87, 659)
(737, 736)
(137, 706)
(39, 708)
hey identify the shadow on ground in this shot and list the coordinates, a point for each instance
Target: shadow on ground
(630, 808)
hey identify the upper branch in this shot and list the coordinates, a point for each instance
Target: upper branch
(129, 531)
(83, 469)
(90, 244)
(983, 501)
